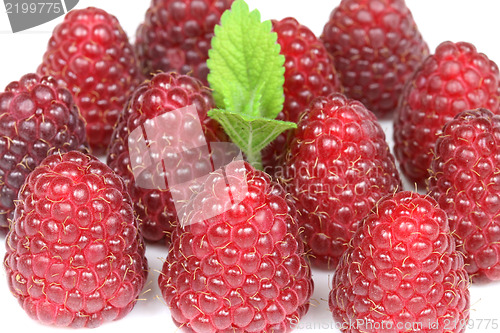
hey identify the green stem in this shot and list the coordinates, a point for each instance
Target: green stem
(255, 160)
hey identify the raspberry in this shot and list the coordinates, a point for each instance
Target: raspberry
(402, 272)
(165, 92)
(455, 79)
(37, 118)
(309, 73)
(376, 47)
(74, 255)
(176, 36)
(90, 54)
(465, 182)
(239, 270)
(337, 167)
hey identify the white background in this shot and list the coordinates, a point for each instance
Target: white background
(456, 20)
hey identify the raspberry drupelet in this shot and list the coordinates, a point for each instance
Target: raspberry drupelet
(455, 78)
(90, 54)
(176, 34)
(465, 182)
(37, 118)
(152, 100)
(337, 167)
(401, 272)
(238, 265)
(309, 73)
(75, 257)
(376, 47)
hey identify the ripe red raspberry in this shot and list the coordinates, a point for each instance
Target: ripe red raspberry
(176, 36)
(74, 254)
(238, 266)
(309, 73)
(90, 54)
(37, 118)
(337, 167)
(401, 272)
(466, 184)
(455, 79)
(165, 92)
(376, 47)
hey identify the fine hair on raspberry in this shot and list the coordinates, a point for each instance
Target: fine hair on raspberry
(337, 167)
(243, 268)
(37, 118)
(464, 181)
(75, 257)
(401, 272)
(153, 99)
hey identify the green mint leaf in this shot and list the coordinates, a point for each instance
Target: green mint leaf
(247, 74)
(251, 134)
(246, 67)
